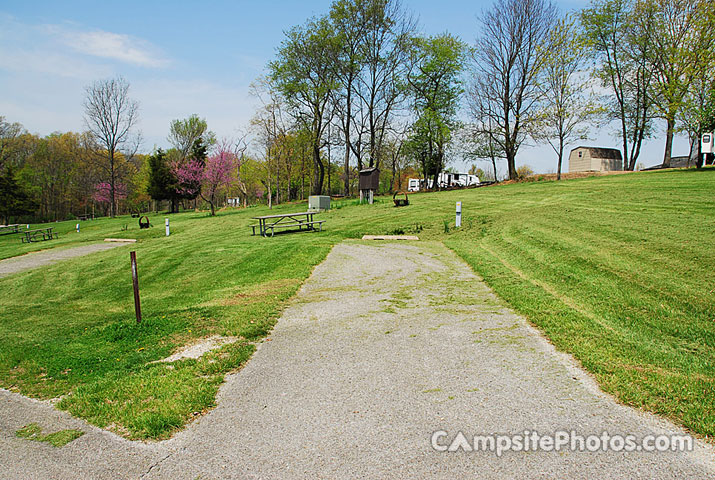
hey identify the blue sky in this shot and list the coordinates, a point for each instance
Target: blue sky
(182, 58)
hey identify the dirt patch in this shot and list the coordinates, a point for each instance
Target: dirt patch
(197, 349)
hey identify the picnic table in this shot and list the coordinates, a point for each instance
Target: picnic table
(7, 229)
(301, 221)
(39, 234)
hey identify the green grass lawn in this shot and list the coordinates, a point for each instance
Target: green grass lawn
(619, 271)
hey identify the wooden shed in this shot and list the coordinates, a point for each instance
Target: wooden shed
(595, 159)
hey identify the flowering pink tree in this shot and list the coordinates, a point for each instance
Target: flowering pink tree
(217, 176)
(103, 193)
(189, 176)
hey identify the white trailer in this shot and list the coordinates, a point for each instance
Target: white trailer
(445, 180)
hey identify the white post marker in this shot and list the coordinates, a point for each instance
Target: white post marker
(78, 228)
(167, 227)
(458, 221)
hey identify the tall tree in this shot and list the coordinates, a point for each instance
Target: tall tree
(110, 115)
(9, 132)
(14, 199)
(436, 87)
(608, 26)
(350, 20)
(382, 84)
(680, 34)
(507, 61)
(566, 101)
(183, 134)
(217, 176)
(698, 113)
(162, 181)
(307, 81)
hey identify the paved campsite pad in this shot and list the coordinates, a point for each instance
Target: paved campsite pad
(47, 257)
(384, 344)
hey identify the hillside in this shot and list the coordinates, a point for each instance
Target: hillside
(617, 270)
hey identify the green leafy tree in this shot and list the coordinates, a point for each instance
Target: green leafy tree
(183, 134)
(14, 199)
(350, 20)
(303, 74)
(162, 181)
(698, 114)
(436, 87)
(621, 56)
(9, 133)
(681, 36)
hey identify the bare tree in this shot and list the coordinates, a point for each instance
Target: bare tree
(567, 104)
(110, 115)
(381, 86)
(507, 62)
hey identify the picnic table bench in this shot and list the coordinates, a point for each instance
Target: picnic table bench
(302, 220)
(8, 229)
(39, 234)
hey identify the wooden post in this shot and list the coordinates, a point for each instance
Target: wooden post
(135, 280)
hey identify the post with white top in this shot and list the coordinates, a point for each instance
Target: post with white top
(458, 221)
(167, 227)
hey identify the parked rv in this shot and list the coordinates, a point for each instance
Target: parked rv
(445, 180)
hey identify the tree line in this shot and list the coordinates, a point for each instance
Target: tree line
(360, 87)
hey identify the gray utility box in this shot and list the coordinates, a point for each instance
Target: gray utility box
(318, 203)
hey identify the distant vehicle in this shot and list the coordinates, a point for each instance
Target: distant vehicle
(445, 180)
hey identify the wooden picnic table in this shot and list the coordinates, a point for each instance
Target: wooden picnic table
(301, 221)
(7, 229)
(39, 234)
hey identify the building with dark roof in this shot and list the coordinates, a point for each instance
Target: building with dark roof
(595, 159)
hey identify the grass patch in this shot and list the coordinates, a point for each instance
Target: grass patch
(619, 271)
(57, 439)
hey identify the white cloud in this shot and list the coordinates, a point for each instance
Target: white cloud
(115, 46)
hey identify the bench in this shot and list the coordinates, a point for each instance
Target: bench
(8, 229)
(41, 234)
(300, 226)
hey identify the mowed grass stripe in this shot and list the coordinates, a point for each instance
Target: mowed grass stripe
(619, 271)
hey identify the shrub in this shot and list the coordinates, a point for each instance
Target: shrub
(523, 172)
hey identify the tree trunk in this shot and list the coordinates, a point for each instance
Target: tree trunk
(318, 171)
(112, 207)
(668, 142)
(561, 156)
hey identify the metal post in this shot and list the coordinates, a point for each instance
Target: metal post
(167, 227)
(458, 221)
(135, 281)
